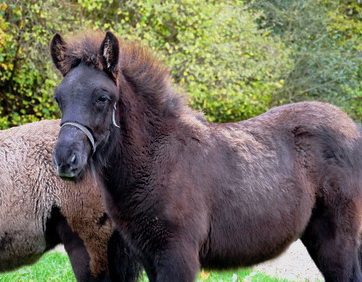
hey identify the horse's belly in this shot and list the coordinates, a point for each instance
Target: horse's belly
(20, 247)
(251, 238)
(255, 226)
(243, 254)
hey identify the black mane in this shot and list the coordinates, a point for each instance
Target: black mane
(137, 66)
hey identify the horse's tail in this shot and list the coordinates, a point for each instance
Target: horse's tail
(122, 264)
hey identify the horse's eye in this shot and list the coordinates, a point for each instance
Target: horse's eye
(103, 99)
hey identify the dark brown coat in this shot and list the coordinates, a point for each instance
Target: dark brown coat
(187, 193)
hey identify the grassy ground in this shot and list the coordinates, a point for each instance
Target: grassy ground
(55, 266)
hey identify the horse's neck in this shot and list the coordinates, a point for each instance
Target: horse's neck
(144, 123)
(141, 121)
(128, 158)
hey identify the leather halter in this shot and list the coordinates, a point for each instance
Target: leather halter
(87, 132)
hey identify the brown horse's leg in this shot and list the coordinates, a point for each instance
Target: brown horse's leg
(77, 253)
(333, 243)
(58, 227)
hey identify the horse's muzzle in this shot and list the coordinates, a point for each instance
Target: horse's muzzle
(69, 169)
(71, 153)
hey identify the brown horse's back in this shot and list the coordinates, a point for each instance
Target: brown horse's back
(22, 215)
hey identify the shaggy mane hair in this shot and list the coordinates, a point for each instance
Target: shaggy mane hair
(147, 75)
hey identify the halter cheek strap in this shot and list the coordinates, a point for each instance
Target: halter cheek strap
(114, 116)
(85, 131)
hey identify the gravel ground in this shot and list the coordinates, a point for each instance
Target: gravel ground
(59, 248)
(295, 264)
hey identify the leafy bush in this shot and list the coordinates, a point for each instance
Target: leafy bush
(215, 51)
(27, 76)
(325, 38)
(235, 60)
(346, 27)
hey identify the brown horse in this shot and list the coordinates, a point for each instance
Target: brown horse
(186, 193)
(38, 210)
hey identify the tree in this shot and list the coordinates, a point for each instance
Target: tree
(325, 65)
(215, 51)
(236, 60)
(27, 76)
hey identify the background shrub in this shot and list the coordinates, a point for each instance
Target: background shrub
(325, 38)
(236, 59)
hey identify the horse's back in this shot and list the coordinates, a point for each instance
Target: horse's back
(24, 203)
(327, 147)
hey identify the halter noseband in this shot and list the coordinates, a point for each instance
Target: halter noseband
(87, 132)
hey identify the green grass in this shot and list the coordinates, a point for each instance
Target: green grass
(55, 266)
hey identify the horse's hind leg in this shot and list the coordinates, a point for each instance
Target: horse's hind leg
(332, 240)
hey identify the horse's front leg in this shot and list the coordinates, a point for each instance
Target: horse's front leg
(178, 262)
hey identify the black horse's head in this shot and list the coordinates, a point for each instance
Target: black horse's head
(87, 98)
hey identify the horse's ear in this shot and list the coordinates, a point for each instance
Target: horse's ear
(58, 48)
(109, 53)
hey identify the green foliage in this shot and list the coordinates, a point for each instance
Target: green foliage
(234, 59)
(326, 65)
(27, 76)
(346, 28)
(215, 51)
(346, 22)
